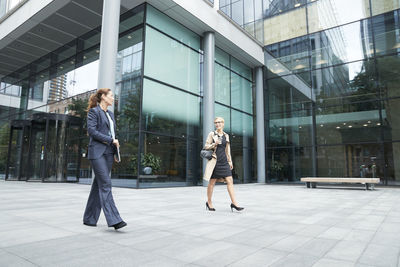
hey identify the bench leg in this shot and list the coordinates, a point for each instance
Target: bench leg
(308, 184)
(314, 185)
(372, 186)
(366, 186)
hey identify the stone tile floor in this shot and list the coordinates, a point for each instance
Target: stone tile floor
(41, 225)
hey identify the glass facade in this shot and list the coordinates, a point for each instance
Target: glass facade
(248, 14)
(331, 93)
(158, 104)
(234, 98)
(43, 109)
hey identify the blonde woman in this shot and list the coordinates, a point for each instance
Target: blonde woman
(219, 167)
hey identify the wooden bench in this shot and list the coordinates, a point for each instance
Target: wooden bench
(312, 181)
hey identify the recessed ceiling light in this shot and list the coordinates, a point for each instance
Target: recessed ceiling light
(129, 37)
(369, 121)
(365, 125)
(337, 127)
(297, 5)
(378, 123)
(350, 126)
(322, 125)
(344, 123)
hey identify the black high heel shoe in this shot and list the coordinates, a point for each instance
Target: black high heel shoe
(208, 207)
(233, 206)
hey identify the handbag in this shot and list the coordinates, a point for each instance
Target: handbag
(207, 153)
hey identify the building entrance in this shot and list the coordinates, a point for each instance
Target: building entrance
(44, 148)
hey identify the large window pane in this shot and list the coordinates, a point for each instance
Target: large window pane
(391, 119)
(345, 83)
(355, 123)
(222, 57)
(241, 146)
(291, 128)
(172, 28)
(169, 161)
(288, 93)
(285, 26)
(289, 164)
(392, 157)
(292, 54)
(242, 93)
(222, 85)
(171, 62)
(388, 73)
(387, 33)
(324, 14)
(357, 160)
(342, 44)
(224, 112)
(167, 110)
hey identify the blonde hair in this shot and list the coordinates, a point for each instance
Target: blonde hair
(219, 118)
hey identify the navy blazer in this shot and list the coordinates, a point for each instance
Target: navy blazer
(99, 132)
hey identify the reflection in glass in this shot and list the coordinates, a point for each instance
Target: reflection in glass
(222, 85)
(324, 14)
(242, 147)
(386, 33)
(168, 110)
(357, 160)
(185, 70)
(224, 112)
(342, 44)
(172, 28)
(345, 83)
(353, 123)
(285, 26)
(242, 93)
(291, 128)
(289, 164)
(169, 161)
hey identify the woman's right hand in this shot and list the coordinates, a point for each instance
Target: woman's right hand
(115, 142)
(218, 141)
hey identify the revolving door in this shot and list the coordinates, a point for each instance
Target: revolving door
(45, 148)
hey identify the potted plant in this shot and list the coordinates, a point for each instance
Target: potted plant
(151, 163)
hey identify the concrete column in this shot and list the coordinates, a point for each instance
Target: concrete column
(208, 87)
(109, 44)
(260, 125)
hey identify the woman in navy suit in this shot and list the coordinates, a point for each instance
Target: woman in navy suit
(102, 147)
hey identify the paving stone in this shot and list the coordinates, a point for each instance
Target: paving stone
(280, 226)
(378, 255)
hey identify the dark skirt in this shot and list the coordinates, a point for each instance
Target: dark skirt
(222, 168)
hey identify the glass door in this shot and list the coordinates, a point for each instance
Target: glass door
(37, 151)
(17, 151)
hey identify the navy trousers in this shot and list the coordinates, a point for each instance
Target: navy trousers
(100, 196)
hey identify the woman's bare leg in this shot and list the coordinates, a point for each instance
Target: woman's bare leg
(229, 185)
(210, 189)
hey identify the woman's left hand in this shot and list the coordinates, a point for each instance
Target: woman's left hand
(231, 165)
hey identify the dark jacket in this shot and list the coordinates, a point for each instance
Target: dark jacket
(99, 132)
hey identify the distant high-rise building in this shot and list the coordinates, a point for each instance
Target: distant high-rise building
(57, 88)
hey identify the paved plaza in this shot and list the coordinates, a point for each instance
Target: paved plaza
(41, 225)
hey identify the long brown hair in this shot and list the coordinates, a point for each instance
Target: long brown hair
(96, 97)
